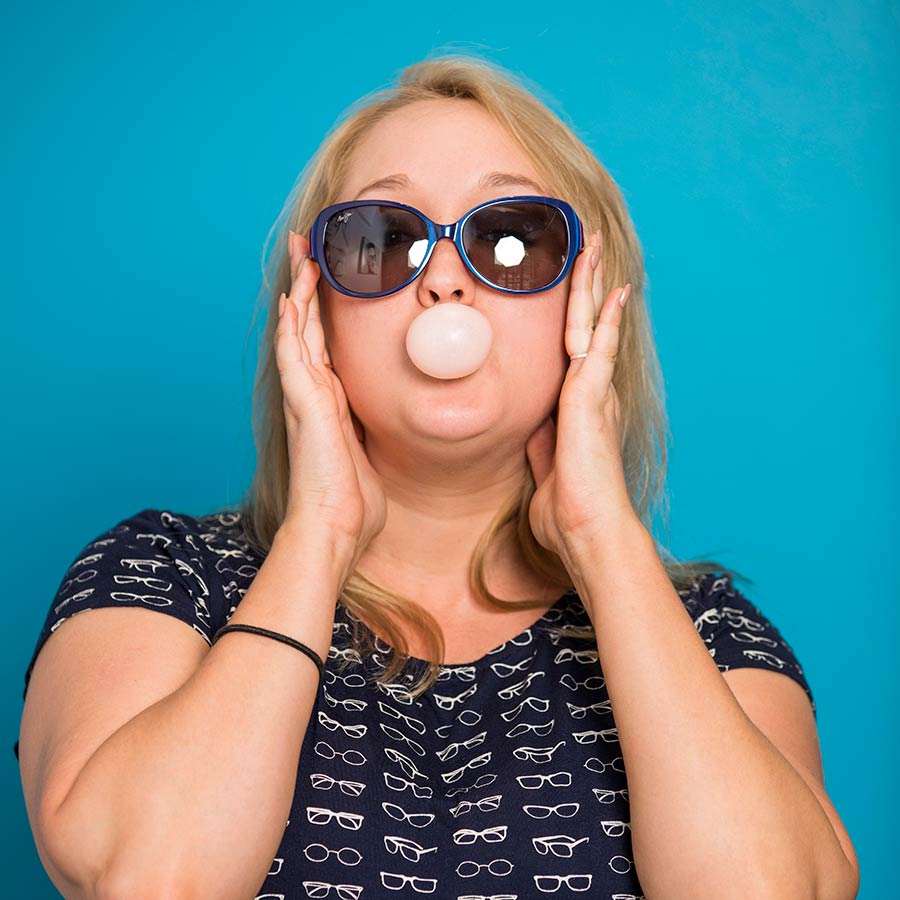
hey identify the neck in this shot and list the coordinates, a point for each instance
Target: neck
(435, 518)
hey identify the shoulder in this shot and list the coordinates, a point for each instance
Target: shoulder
(738, 633)
(206, 537)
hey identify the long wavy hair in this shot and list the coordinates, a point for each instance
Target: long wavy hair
(571, 171)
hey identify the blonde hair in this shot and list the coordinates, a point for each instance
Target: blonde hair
(570, 171)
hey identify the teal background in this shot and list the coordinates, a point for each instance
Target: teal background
(149, 147)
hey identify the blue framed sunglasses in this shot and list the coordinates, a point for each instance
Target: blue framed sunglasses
(517, 245)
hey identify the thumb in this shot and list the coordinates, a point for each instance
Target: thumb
(540, 449)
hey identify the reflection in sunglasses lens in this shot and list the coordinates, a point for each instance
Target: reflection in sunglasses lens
(517, 246)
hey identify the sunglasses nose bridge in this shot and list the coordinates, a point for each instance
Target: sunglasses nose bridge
(443, 231)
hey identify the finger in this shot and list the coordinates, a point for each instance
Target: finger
(580, 312)
(597, 283)
(287, 348)
(303, 281)
(604, 348)
(313, 333)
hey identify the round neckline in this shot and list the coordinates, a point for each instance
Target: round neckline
(501, 652)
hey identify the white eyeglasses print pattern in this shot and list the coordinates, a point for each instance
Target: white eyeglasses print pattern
(519, 688)
(536, 703)
(349, 856)
(597, 765)
(466, 717)
(614, 827)
(156, 584)
(485, 804)
(320, 816)
(468, 868)
(354, 731)
(463, 673)
(606, 795)
(452, 749)
(456, 774)
(317, 889)
(528, 728)
(565, 810)
(583, 656)
(394, 881)
(397, 693)
(488, 897)
(493, 835)
(593, 683)
(450, 702)
(417, 725)
(406, 847)
(392, 732)
(351, 757)
(505, 670)
(352, 680)
(417, 820)
(558, 844)
(325, 782)
(481, 781)
(396, 783)
(549, 884)
(349, 703)
(537, 780)
(578, 712)
(610, 735)
(537, 754)
(405, 762)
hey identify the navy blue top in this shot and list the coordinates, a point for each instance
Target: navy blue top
(504, 780)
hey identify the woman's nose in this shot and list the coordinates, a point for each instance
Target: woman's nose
(446, 276)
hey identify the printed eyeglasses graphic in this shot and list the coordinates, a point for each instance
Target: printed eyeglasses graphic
(521, 244)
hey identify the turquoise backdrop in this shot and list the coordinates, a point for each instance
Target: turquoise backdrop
(149, 148)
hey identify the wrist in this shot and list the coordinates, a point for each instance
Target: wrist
(317, 546)
(609, 540)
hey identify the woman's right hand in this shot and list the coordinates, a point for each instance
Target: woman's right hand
(333, 486)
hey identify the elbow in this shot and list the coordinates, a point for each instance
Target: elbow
(86, 863)
(844, 886)
(64, 855)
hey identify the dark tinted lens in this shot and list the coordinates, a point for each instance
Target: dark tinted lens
(371, 249)
(518, 246)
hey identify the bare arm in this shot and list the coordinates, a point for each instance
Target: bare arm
(197, 788)
(697, 763)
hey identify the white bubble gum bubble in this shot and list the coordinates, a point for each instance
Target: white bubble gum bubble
(449, 340)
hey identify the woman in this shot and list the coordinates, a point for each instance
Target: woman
(524, 694)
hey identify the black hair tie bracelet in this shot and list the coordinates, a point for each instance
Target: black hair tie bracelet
(252, 629)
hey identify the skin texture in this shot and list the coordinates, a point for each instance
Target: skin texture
(449, 452)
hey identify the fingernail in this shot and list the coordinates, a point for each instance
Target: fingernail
(281, 306)
(626, 293)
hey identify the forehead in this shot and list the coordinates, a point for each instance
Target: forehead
(442, 146)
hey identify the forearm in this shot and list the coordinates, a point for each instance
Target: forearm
(716, 810)
(200, 784)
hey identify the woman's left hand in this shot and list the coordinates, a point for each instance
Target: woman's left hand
(577, 462)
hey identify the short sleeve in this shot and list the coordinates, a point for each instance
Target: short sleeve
(154, 560)
(738, 634)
